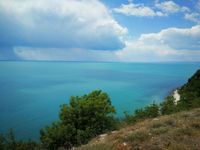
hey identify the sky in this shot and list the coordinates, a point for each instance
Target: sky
(100, 30)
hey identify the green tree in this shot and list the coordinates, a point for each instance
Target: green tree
(168, 106)
(2, 142)
(11, 141)
(150, 111)
(85, 117)
(190, 93)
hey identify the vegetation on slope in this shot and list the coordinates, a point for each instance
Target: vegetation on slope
(9, 142)
(190, 92)
(179, 131)
(189, 98)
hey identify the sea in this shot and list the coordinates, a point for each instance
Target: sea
(31, 92)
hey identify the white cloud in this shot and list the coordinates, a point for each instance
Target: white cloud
(194, 16)
(171, 44)
(65, 23)
(139, 10)
(83, 26)
(177, 38)
(198, 5)
(160, 9)
(170, 7)
(155, 53)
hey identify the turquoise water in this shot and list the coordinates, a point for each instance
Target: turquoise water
(31, 92)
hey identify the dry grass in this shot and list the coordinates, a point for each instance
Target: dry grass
(179, 131)
(98, 146)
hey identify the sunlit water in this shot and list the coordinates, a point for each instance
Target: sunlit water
(31, 92)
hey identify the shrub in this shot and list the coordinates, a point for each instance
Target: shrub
(168, 107)
(9, 142)
(129, 119)
(2, 142)
(150, 111)
(84, 118)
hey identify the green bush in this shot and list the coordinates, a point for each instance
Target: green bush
(168, 106)
(129, 118)
(9, 142)
(2, 142)
(150, 111)
(84, 118)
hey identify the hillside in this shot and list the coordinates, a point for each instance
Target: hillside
(176, 131)
(190, 92)
(180, 131)
(193, 84)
